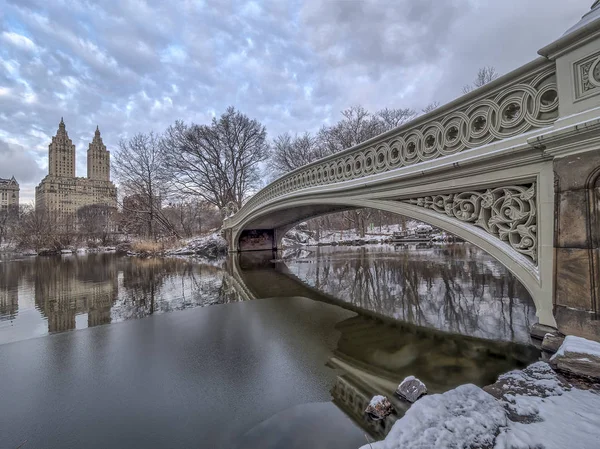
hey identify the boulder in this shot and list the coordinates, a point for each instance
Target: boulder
(552, 341)
(578, 356)
(379, 407)
(411, 389)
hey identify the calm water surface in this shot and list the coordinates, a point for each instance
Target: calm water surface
(295, 370)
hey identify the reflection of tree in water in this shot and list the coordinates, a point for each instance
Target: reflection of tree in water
(456, 288)
(152, 285)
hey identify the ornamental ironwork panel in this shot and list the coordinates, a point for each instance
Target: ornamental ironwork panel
(509, 213)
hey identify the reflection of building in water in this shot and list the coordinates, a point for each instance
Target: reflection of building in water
(374, 357)
(9, 293)
(73, 287)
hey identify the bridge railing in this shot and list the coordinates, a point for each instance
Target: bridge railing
(521, 101)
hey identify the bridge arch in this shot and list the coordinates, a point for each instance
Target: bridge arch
(298, 210)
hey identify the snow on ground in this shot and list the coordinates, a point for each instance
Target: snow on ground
(534, 408)
(300, 237)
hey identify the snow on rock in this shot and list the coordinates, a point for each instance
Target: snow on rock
(533, 408)
(515, 388)
(411, 389)
(570, 421)
(212, 246)
(578, 356)
(466, 417)
(379, 407)
(578, 345)
(296, 237)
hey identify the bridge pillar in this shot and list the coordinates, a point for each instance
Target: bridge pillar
(574, 145)
(577, 244)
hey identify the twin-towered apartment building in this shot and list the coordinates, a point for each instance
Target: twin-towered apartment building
(61, 192)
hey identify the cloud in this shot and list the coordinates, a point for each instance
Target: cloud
(138, 65)
(17, 162)
(18, 40)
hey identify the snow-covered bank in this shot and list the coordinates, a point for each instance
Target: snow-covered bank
(525, 409)
(209, 246)
(302, 236)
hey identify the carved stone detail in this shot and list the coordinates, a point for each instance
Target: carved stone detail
(508, 213)
(587, 76)
(230, 209)
(520, 105)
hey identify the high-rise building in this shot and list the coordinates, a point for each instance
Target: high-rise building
(61, 192)
(9, 193)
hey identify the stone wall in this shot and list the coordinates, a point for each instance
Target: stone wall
(577, 244)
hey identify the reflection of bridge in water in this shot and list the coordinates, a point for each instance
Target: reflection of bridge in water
(457, 289)
(374, 355)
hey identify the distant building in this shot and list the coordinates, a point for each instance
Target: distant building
(63, 194)
(9, 193)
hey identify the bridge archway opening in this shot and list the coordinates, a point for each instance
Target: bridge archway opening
(281, 218)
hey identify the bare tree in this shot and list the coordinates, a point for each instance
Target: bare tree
(9, 219)
(218, 162)
(290, 153)
(357, 126)
(484, 76)
(392, 118)
(96, 221)
(38, 229)
(431, 107)
(139, 165)
(191, 217)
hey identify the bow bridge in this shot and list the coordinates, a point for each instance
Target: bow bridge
(512, 167)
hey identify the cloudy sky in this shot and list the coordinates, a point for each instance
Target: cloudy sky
(135, 65)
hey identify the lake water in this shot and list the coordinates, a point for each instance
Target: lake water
(287, 354)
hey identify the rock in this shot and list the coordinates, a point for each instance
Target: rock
(539, 331)
(411, 389)
(379, 407)
(552, 341)
(537, 380)
(579, 357)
